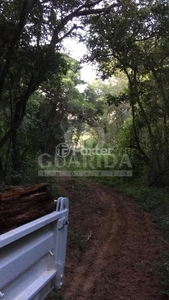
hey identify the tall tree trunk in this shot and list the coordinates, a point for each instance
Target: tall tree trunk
(16, 158)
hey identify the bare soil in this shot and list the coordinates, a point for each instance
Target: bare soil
(114, 249)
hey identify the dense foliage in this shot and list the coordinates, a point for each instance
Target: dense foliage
(133, 38)
(31, 32)
(39, 99)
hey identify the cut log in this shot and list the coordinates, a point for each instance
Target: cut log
(21, 204)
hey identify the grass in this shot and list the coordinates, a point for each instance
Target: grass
(156, 201)
(54, 295)
(151, 199)
(78, 239)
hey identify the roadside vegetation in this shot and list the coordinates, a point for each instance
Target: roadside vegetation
(125, 111)
(155, 201)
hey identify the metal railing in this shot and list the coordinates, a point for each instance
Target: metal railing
(32, 256)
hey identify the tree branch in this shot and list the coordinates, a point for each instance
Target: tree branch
(69, 32)
(26, 7)
(77, 13)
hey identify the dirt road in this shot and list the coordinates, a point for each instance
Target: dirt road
(113, 248)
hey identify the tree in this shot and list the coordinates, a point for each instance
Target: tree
(47, 110)
(31, 32)
(134, 38)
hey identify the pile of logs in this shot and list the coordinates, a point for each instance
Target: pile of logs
(20, 205)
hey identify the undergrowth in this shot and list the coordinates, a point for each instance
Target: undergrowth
(54, 295)
(151, 199)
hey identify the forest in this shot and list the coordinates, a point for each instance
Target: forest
(126, 107)
(113, 130)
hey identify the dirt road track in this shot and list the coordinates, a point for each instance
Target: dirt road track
(122, 247)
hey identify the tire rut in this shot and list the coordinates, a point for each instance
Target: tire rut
(85, 275)
(123, 252)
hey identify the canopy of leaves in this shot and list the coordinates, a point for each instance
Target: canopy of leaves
(134, 38)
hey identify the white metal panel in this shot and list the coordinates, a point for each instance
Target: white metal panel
(36, 287)
(32, 256)
(23, 230)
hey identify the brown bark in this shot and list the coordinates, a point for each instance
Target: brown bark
(22, 204)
